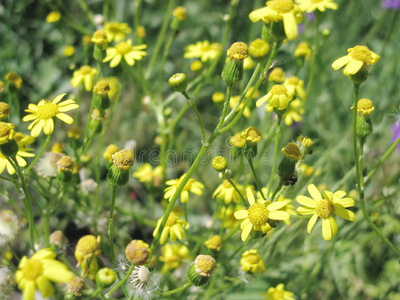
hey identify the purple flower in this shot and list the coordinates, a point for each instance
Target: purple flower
(391, 4)
(311, 17)
(396, 133)
(301, 28)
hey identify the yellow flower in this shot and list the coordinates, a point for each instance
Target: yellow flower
(196, 65)
(234, 101)
(218, 97)
(309, 170)
(86, 251)
(365, 106)
(325, 208)
(204, 265)
(43, 113)
(5, 110)
(7, 132)
(237, 140)
(277, 75)
(312, 5)
(225, 191)
(127, 51)
(100, 38)
(295, 86)
(141, 31)
(172, 256)
(146, 173)
(257, 215)
(174, 229)
(251, 134)
(358, 57)
(116, 31)
(23, 141)
(110, 151)
(14, 79)
(226, 214)
(192, 185)
(214, 243)
(115, 88)
(294, 112)
(123, 159)
(86, 75)
(303, 49)
(248, 63)
(203, 50)
(53, 16)
(179, 13)
(278, 293)
(37, 272)
(69, 51)
(252, 262)
(278, 96)
(138, 252)
(280, 10)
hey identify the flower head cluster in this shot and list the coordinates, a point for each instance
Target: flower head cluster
(280, 10)
(252, 262)
(124, 50)
(192, 185)
(43, 113)
(278, 293)
(257, 215)
(38, 271)
(174, 228)
(358, 57)
(226, 192)
(146, 173)
(325, 208)
(86, 75)
(116, 31)
(86, 252)
(172, 256)
(203, 50)
(278, 96)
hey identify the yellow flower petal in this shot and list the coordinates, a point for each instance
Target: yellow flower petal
(311, 222)
(314, 192)
(290, 26)
(37, 128)
(305, 211)
(250, 196)
(58, 274)
(340, 62)
(48, 126)
(306, 201)
(44, 286)
(115, 61)
(65, 118)
(258, 14)
(29, 290)
(276, 205)
(326, 229)
(352, 67)
(333, 226)
(279, 215)
(241, 214)
(344, 213)
(246, 232)
(58, 98)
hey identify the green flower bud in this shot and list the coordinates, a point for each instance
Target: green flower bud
(178, 82)
(105, 277)
(219, 163)
(199, 273)
(363, 126)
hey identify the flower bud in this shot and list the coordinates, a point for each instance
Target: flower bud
(138, 252)
(4, 110)
(105, 278)
(214, 243)
(178, 82)
(75, 288)
(287, 166)
(219, 163)
(199, 273)
(233, 70)
(258, 50)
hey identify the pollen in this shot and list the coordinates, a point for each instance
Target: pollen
(123, 159)
(204, 265)
(258, 214)
(47, 111)
(324, 209)
(85, 70)
(278, 89)
(292, 151)
(281, 6)
(238, 51)
(365, 106)
(253, 258)
(123, 48)
(361, 53)
(32, 269)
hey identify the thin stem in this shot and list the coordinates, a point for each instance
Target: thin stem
(121, 282)
(193, 104)
(226, 105)
(111, 222)
(383, 158)
(27, 202)
(160, 39)
(355, 148)
(276, 151)
(178, 290)
(259, 187)
(313, 58)
(238, 191)
(46, 142)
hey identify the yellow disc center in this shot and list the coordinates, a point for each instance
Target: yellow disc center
(258, 214)
(362, 53)
(281, 6)
(123, 48)
(32, 270)
(324, 209)
(47, 111)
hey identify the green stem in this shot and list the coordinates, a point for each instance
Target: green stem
(313, 58)
(238, 191)
(121, 282)
(259, 187)
(27, 202)
(111, 222)
(226, 105)
(383, 158)
(192, 103)
(276, 151)
(46, 142)
(160, 39)
(355, 148)
(277, 190)
(178, 290)
(263, 76)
